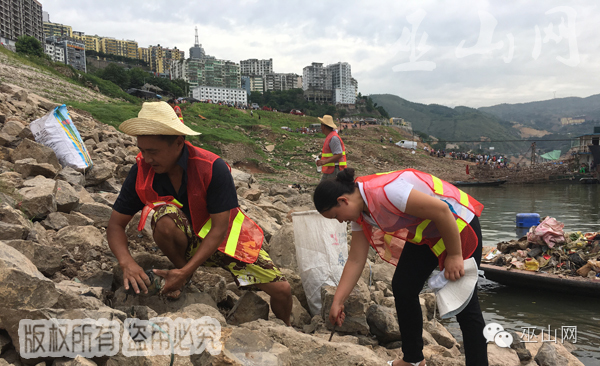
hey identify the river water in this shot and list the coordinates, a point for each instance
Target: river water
(578, 207)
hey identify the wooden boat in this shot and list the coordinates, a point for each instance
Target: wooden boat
(493, 183)
(575, 285)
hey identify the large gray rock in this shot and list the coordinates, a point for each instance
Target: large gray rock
(247, 347)
(240, 176)
(30, 167)
(100, 173)
(39, 152)
(307, 350)
(13, 128)
(282, 248)
(441, 335)
(39, 197)
(77, 219)
(211, 283)
(300, 316)
(249, 307)
(71, 176)
(549, 356)
(55, 221)
(22, 286)
(383, 324)
(47, 258)
(12, 231)
(13, 216)
(284, 191)
(197, 311)
(98, 212)
(355, 308)
(10, 318)
(67, 198)
(5, 139)
(83, 237)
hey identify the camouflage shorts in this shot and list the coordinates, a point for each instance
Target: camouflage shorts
(245, 274)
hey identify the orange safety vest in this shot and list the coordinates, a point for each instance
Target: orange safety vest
(329, 168)
(244, 237)
(177, 109)
(396, 227)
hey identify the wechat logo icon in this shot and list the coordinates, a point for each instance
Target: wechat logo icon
(494, 332)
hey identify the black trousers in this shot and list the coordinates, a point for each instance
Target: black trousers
(414, 267)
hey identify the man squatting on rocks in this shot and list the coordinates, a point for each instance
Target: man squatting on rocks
(404, 215)
(196, 220)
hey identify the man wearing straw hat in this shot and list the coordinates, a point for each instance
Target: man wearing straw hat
(333, 155)
(196, 219)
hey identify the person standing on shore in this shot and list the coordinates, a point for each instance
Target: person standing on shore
(396, 213)
(176, 108)
(333, 154)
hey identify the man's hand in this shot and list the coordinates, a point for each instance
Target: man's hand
(320, 162)
(134, 275)
(454, 266)
(174, 280)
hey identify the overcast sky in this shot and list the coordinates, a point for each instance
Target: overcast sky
(452, 52)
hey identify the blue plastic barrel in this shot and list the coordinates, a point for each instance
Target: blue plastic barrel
(528, 219)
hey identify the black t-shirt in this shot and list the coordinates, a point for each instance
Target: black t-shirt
(221, 195)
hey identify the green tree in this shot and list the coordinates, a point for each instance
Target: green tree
(29, 46)
(116, 74)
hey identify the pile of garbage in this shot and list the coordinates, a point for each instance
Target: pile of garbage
(548, 248)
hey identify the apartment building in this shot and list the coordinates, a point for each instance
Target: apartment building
(56, 52)
(21, 17)
(221, 94)
(330, 84)
(280, 81)
(316, 83)
(254, 67)
(112, 46)
(340, 77)
(73, 51)
(58, 30)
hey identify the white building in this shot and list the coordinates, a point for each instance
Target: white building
(56, 52)
(220, 94)
(253, 67)
(342, 83)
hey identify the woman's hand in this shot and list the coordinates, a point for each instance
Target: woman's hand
(454, 266)
(336, 314)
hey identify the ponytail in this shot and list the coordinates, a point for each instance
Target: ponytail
(328, 191)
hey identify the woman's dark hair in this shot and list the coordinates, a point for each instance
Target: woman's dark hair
(171, 101)
(328, 191)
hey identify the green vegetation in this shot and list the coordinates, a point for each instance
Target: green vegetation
(28, 45)
(110, 113)
(72, 75)
(110, 57)
(287, 100)
(137, 77)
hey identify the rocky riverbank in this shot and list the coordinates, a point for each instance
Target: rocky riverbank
(55, 264)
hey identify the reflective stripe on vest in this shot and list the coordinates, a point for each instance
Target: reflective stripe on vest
(340, 163)
(439, 247)
(234, 233)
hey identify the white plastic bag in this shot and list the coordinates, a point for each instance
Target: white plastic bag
(57, 131)
(321, 251)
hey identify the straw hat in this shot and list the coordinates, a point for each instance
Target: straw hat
(327, 120)
(156, 118)
(454, 296)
